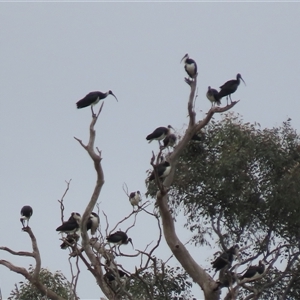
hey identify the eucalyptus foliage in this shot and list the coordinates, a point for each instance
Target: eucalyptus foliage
(57, 282)
(246, 177)
(160, 282)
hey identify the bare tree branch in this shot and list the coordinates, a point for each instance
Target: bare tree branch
(61, 201)
(19, 253)
(96, 157)
(34, 278)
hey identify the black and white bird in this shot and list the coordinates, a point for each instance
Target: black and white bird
(213, 96)
(254, 272)
(69, 240)
(169, 140)
(135, 198)
(72, 225)
(159, 133)
(190, 66)
(163, 170)
(26, 213)
(93, 223)
(119, 238)
(225, 259)
(93, 98)
(227, 280)
(230, 87)
(110, 276)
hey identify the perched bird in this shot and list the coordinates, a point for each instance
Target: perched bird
(119, 238)
(163, 170)
(190, 66)
(93, 98)
(230, 87)
(135, 198)
(169, 140)
(26, 213)
(69, 240)
(254, 272)
(159, 133)
(225, 259)
(72, 225)
(213, 96)
(93, 223)
(227, 280)
(110, 276)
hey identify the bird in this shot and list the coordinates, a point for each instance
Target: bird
(227, 280)
(213, 96)
(119, 238)
(110, 276)
(169, 140)
(190, 66)
(93, 223)
(229, 87)
(69, 240)
(159, 133)
(135, 198)
(163, 170)
(225, 258)
(93, 98)
(26, 213)
(72, 225)
(255, 272)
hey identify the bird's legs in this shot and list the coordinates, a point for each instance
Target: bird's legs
(230, 98)
(93, 114)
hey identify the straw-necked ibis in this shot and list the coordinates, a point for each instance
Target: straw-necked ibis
(169, 140)
(254, 272)
(93, 98)
(230, 87)
(163, 170)
(69, 240)
(110, 276)
(159, 133)
(119, 238)
(213, 96)
(26, 213)
(72, 225)
(135, 198)
(227, 280)
(225, 259)
(190, 66)
(93, 223)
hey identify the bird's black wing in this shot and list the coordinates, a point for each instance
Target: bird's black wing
(117, 237)
(89, 99)
(68, 226)
(250, 272)
(157, 133)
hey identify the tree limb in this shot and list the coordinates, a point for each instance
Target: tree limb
(96, 157)
(199, 275)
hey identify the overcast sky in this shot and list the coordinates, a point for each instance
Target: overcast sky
(53, 54)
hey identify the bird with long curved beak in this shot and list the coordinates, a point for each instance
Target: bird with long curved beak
(229, 87)
(190, 66)
(93, 98)
(119, 238)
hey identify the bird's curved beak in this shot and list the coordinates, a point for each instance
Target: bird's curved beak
(115, 96)
(243, 80)
(130, 241)
(183, 58)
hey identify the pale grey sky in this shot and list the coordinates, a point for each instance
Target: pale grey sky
(53, 54)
